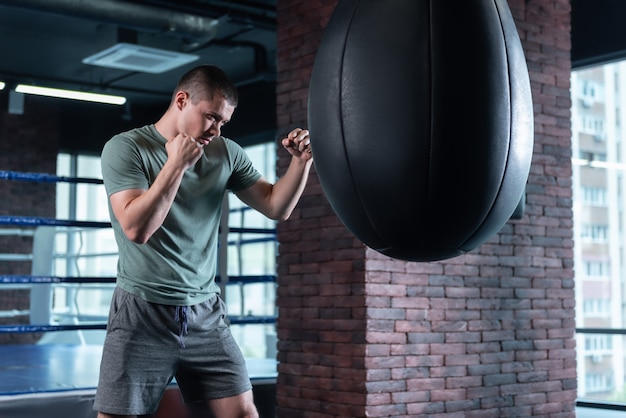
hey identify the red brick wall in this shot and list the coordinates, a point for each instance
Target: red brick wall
(487, 334)
(28, 143)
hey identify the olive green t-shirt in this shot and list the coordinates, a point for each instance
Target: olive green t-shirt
(177, 266)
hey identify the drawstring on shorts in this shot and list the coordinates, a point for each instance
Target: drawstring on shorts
(180, 316)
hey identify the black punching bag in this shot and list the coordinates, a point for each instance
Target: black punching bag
(421, 122)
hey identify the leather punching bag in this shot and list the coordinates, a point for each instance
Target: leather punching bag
(421, 121)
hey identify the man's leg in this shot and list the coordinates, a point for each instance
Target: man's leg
(239, 406)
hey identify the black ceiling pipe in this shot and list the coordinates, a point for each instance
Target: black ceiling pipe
(136, 16)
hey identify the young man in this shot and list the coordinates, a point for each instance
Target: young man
(165, 184)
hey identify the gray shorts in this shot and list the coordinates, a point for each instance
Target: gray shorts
(148, 344)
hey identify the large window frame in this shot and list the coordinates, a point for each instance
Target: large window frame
(599, 196)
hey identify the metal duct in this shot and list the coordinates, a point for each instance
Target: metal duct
(135, 16)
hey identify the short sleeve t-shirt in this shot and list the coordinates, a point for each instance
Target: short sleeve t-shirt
(177, 266)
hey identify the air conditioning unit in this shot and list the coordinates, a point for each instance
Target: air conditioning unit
(131, 57)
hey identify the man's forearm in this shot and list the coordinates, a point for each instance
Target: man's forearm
(142, 215)
(288, 189)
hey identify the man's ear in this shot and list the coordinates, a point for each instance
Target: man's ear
(180, 99)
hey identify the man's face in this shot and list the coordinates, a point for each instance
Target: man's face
(204, 120)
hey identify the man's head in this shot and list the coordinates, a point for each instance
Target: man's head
(203, 102)
(204, 82)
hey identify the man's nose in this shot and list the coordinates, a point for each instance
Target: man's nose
(215, 129)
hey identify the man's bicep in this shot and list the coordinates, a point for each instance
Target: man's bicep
(257, 195)
(122, 199)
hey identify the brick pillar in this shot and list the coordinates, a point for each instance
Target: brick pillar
(28, 143)
(487, 334)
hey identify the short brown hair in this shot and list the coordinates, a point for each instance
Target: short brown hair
(204, 81)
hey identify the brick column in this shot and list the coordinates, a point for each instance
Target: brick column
(28, 143)
(487, 334)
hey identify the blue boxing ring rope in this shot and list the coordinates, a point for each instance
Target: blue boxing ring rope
(37, 221)
(45, 178)
(37, 364)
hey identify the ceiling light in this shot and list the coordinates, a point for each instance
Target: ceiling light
(131, 57)
(2, 85)
(70, 94)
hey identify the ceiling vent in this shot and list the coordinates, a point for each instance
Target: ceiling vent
(133, 57)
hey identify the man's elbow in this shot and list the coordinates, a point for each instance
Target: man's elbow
(283, 217)
(136, 236)
(279, 216)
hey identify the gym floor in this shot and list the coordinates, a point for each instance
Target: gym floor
(51, 380)
(54, 380)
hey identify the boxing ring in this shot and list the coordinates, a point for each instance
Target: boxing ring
(57, 375)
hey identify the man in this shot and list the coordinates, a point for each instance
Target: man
(165, 184)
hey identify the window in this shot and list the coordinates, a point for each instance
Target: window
(594, 196)
(597, 269)
(252, 255)
(599, 382)
(598, 344)
(79, 252)
(595, 232)
(589, 156)
(596, 307)
(588, 89)
(593, 125)
(599, 186)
